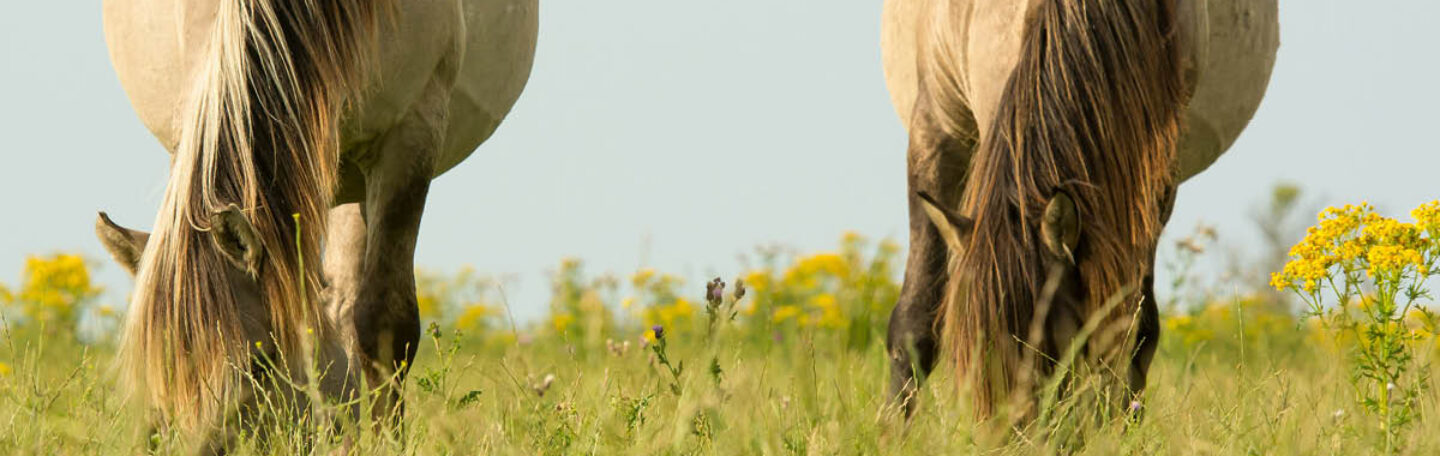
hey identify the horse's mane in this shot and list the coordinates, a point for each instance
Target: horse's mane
(1093, 107)
(260, 133)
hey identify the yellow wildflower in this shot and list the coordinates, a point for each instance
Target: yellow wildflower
(474, 316)
(827, 310)
(672, 315)
(758, 280)
(1387, 231)
(785, 312)
(888, 248)
(54, 288)
(642, 277)
(428, 300)
(1392, 259)
(809, 271)
(569, 264)
(1277, 280)
(1427, 217)
(562, 322)
(681, 309)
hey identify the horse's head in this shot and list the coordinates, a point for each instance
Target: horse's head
(232, 234)
(1058, 228)
(235, 238)
(1012, 269)
(1027, 276)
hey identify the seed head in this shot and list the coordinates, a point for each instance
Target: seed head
(544, 385)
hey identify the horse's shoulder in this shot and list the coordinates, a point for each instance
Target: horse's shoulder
(914, 34)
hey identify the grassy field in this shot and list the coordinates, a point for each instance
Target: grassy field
(796, 366)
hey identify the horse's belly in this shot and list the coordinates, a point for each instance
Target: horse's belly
(499, 52)
(411, 53)
(159, 47)
(1235, 53)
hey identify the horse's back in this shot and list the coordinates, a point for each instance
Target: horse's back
(1232, 44)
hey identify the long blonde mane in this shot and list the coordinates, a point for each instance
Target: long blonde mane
(1093, 107)
(261, 132)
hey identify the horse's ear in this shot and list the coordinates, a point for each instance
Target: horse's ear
(1060, 228)
(124, 244)
(237, 239)
(954, 228)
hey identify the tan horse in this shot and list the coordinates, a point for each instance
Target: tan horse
(1047, 138)
(275, 112)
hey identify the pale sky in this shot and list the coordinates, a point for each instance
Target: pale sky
(681, 134)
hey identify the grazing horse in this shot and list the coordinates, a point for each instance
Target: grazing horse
(1047, 139)
(295, 128)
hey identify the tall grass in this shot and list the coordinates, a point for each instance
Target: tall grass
(650, 364)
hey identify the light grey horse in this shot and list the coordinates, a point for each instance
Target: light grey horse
(295, 124)
(1042, 152)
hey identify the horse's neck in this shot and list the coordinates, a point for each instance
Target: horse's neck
(963, 51)
(991, 41)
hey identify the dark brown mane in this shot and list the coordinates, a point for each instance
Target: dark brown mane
(1093, 107)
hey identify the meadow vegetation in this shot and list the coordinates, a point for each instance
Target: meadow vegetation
(1330, 355)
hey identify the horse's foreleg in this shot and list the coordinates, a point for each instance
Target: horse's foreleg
(386, 316)
(344, 264)
(385, 313)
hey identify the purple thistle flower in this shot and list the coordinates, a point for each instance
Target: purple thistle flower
(659, 332)
(715, 291)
